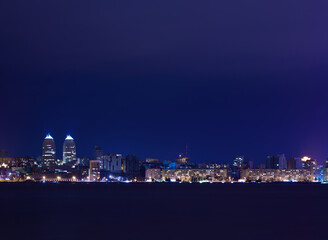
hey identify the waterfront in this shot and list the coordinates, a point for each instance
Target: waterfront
(163, 211)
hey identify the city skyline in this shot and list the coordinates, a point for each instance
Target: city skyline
(69, 155)
(225, 84)
(118, 167)
(175, 119)
(168, 153)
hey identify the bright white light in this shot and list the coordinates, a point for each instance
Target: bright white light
(305, 158)
(48, 136)
(68, 137)
(4, 165)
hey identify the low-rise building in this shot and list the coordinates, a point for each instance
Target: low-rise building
(187, 175)
(212, 165)
(277, 175)
(22, 162)
(153, 174)
(94, 171)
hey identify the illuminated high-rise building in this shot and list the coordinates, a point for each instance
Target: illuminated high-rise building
(309, 163)
(69, 150)
(99, 155)
(238, 161)
(48, 152)
(115, 163)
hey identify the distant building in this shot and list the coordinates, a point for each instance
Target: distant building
(238, 161)
(325, 172)
(94, 170)
(48, 152)
(277, 175)
(115, 163)
(250, 164)
(269, 163)
(182, 160)
(9, 162)
(152, 160)
(282, 162)
(320, 174)
(83, 161)
(276, 162)
(150, 163)
(131, 165)
(213, 165)
(308, 163)
(98, 155)
(187, 175)
(18, 162)
(153, 174)
(298, 163)
(69, 150)
(106, 162)
(112, 162)
(291, 163)
(294, 163)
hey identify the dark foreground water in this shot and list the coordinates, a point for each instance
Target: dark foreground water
(163, 211)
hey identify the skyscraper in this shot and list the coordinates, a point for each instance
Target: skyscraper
(131, 165)
(276, 162)
(69, 150)
(115, 163)
(99, 155)
(48, 152)
(238, 161)
(309, 163)
(294, 163)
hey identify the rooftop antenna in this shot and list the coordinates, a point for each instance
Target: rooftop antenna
(186, 150)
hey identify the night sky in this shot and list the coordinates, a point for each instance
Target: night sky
(149, 77)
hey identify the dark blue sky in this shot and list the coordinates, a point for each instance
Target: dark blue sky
(148, 77)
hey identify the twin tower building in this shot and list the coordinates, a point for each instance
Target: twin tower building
(49, 151)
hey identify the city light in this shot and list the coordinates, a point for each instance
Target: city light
(126, 169)
(305, 158)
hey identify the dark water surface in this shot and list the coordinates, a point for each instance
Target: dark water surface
(163, 211)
